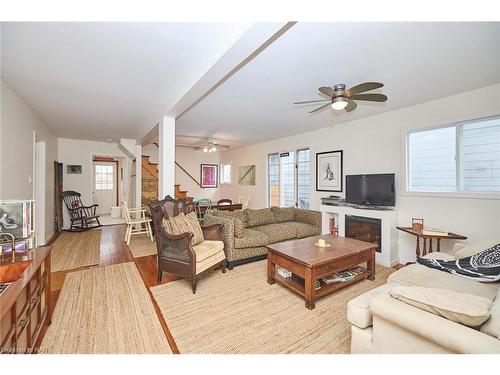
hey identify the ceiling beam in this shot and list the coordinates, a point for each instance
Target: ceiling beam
(255, 40)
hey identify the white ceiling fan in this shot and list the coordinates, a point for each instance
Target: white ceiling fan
(209, 146)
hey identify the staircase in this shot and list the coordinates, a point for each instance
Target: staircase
(150, 182)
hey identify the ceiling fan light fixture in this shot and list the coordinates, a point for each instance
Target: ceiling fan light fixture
(205, 149)
(339, 103)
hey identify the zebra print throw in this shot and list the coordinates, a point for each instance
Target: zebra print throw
(483, 266)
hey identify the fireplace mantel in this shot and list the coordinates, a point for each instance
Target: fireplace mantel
(389, 256)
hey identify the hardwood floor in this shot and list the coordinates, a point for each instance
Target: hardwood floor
(114, 250)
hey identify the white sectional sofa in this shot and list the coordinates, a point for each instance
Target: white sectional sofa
(383, 323)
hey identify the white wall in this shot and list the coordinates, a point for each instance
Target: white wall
(376, 145)
(80, 152)
(190, 160)
(18, 122)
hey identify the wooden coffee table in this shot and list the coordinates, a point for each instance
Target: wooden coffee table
(308, 263)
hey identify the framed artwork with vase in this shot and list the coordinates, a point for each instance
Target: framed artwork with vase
(209, 174)
(329, 174)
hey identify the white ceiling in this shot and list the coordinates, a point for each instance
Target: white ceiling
(115, 80)
(109, 80)
(417, 62)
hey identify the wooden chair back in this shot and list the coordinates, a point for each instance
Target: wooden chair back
(72, 200)
(126, 212)
(224, 201)
(205, 202)
(244, 202)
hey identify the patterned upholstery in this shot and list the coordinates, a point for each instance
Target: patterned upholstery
(254, 240)
(251, 238)
(282, 214)
(278, 232)
(184, 224)
(303, 229)
(259, 217)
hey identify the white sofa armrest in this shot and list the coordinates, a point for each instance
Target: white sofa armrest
(445, 333)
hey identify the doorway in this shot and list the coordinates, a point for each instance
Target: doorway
(105, 186)
(40, 170)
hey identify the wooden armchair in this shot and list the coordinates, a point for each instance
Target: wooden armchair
(176, 253)
(82, 217)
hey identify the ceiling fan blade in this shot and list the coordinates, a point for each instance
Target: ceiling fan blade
(313, 101)
(328, 91)
(370, 97)
(362, 87)
(320, 108)
(351, 106)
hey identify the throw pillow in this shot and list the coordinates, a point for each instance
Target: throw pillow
(195, 228)
(470, 250)
(282, 214)
(184, 224)
(467, 309)
(259, 217)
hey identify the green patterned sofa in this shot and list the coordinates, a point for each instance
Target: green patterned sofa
(247, 233)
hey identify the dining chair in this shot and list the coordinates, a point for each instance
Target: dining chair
(224, 201)
(138, 224)
(244, 202)
(206, 204)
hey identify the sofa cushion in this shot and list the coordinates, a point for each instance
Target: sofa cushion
(419, 275)
(259, 217)
(303, 229)
(282, 214)
(208, 254)
(238, 214)
(277, 232)
(463, 308)
(251, 238)
(474, 248)
(492, 326)
(358, 309)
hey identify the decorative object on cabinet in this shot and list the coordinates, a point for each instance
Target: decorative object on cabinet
(329, 174)
(209, 175)
(246, 175)
(17, 227)
(417, 224)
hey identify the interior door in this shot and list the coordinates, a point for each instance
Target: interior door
(105, 186)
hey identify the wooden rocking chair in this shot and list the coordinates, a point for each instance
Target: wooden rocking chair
(82, 217)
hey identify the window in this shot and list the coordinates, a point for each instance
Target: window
(303, 180)
(463, 157)
(288, 179)
(104, 177)
(225, 173)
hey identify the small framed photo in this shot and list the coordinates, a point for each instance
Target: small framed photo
(329, 175)
(209, 175)
(74, 169)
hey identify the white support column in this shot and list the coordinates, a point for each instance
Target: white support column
(166, 158)
(138, 176)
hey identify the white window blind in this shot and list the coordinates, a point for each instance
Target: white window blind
(225, 173)
(460, 157)
(288, 178)
(303, 180)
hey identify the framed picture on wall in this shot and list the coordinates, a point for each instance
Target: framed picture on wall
(74, 169)
(209, 175)
(329, 175)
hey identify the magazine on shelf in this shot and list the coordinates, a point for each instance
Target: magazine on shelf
(343, 276)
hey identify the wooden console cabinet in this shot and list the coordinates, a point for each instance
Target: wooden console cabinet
(25, 306)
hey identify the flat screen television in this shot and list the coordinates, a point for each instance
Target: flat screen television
(371, 189)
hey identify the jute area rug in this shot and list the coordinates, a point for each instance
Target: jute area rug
(239, 312)
(141, 246)
(105, 310)
(76, 249)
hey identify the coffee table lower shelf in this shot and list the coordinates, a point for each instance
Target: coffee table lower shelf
(297, 284)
